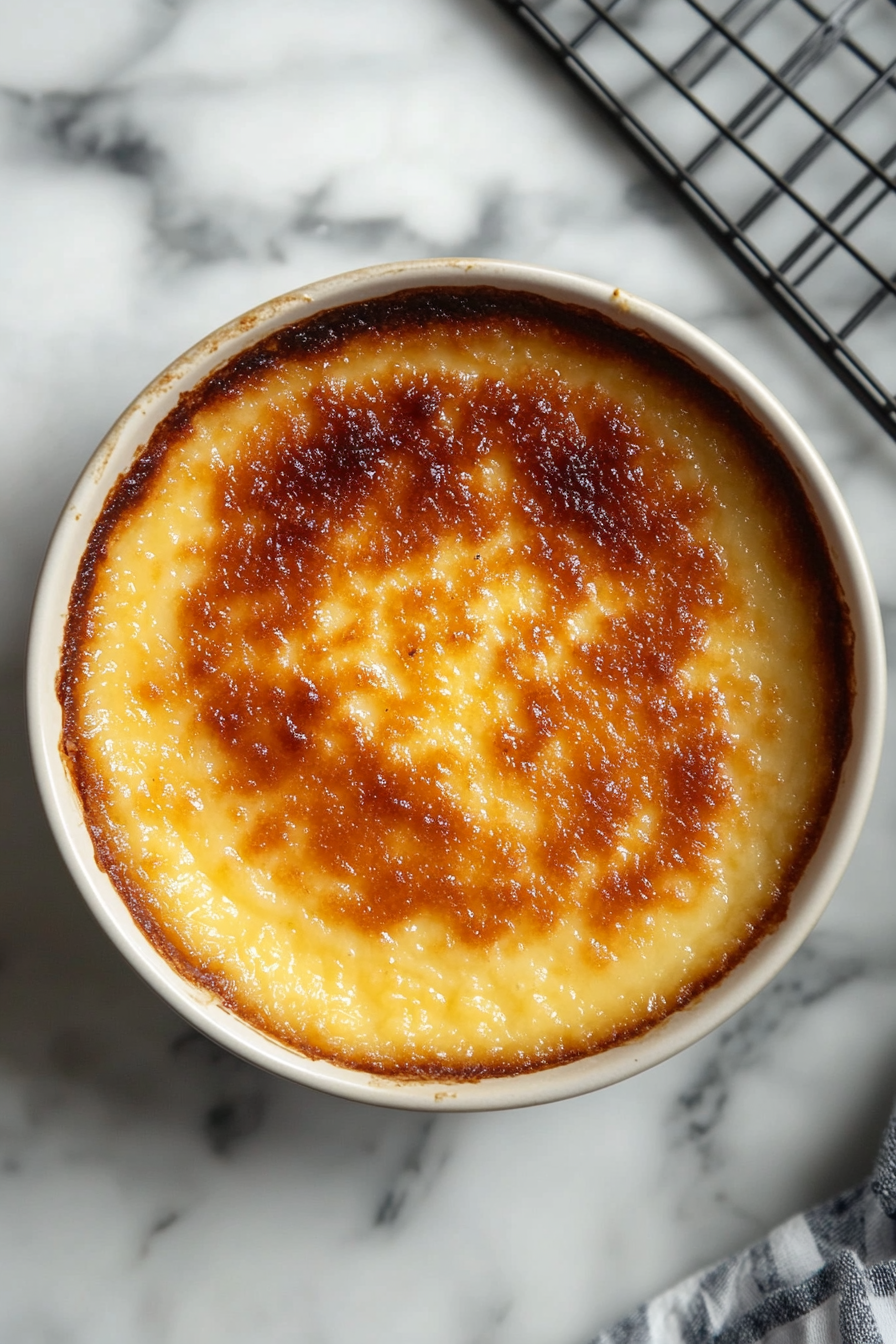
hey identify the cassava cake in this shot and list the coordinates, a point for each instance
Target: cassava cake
(457, 684)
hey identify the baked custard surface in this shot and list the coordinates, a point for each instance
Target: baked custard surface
(456, 684)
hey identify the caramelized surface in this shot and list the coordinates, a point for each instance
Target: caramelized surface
(456, 684)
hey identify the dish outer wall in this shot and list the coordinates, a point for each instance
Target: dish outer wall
(816, 886)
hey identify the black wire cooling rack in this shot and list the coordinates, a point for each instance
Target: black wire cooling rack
(776, 122)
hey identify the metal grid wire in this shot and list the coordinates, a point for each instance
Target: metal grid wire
(776, 122)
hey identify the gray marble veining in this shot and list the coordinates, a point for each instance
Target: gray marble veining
(165, 164)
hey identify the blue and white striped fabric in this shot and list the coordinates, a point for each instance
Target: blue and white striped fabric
(823, 1277)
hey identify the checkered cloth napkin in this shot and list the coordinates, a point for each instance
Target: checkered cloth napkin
(823, 1277)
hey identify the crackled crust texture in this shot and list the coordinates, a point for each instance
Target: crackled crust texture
(456, 684)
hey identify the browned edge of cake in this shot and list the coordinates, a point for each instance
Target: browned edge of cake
(413, 311)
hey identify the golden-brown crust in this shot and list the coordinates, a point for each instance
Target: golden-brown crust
(598, 491)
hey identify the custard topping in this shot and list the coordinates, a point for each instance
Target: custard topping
(456, 684)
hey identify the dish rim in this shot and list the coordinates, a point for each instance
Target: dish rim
(553, 1083)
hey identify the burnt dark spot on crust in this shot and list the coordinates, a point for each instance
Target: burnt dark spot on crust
(588, 505)
(591, 499)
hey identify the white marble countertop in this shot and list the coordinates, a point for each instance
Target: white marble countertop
(165, 164)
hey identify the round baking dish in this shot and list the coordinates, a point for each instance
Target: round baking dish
(115, 455)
